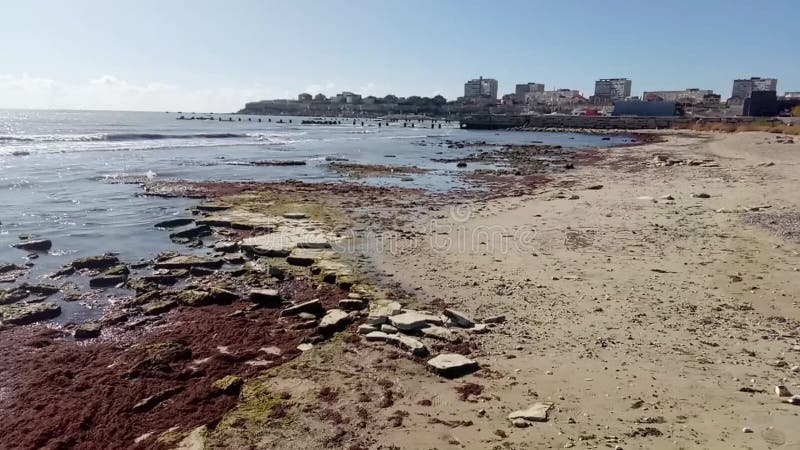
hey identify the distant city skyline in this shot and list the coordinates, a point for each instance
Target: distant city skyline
(214, 56)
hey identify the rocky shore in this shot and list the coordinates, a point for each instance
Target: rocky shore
(636, 297)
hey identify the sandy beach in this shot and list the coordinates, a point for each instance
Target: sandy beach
(643, 296)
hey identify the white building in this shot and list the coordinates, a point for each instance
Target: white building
(743, 87)
(481, 87)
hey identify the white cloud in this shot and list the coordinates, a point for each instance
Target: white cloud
(110, 92)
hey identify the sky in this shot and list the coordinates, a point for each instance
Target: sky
(209, 56)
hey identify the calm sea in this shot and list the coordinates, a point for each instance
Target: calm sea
(53, 165)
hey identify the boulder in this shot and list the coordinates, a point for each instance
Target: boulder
(452, 365)
(88, 330)
(266, 297)
(459, 318)
(24, 314)
(36, 245)
(535, 413)
(311, 306)
(100, 262)
(333, 321)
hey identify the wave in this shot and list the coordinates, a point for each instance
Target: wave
(116, 137)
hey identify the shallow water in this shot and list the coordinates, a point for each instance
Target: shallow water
(53, 163)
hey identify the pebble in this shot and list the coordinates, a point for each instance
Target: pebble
(747, 430)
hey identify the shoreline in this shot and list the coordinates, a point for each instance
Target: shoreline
(390, 244)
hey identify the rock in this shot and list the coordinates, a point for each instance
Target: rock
(100, 262)
(794, 400)
(349, 304)
(479, 328)
(782, 391)
(196, 440)
(461, 164)
(311, 306)
(37, 245)
(388, 329)
(535, 413)
(191, 233)
(9, 296)
(520, 423)
(366, 329)
(305, 256)
(305, 347)
(107, 280)
(234, 258)
(495, 319)
(7, 267)
(334, 320)
(41, 289)
(266, 297)
(158, 307)
(230, 384)
(573, 197)
(452, 365)
(747, 430)
(226, 246)
(154, 400)
(376, 336)
(437, 332)
(201, 271)
(212, 207)
(413, 321)
(594, 187)
(17, 314)
(281, 243)
(407, 343)
(213, 296)
(667, 197)
(187, 262)
(88, 330)
(700, 195)
(307, 316)
(380, 312)
(459, 318)
(172, 223)
(294, 215)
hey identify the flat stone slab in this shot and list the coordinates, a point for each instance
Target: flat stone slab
(376, 336)
(294, 215)
(100, 262)
(188, 261)
(535, 413)
(437, 332)
(306, 257)
(452, 365)
(408, 344)
(334, 320)
(459, 318)
(379, 313)
(88, 330)
(269, 297)
(36, 245)
(311, 306)
(282, 241)
(22, 314)
(413, 321)
(240, 219)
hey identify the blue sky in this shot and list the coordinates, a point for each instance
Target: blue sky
(215, 55)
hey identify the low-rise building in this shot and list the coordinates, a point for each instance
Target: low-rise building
(304, 98)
